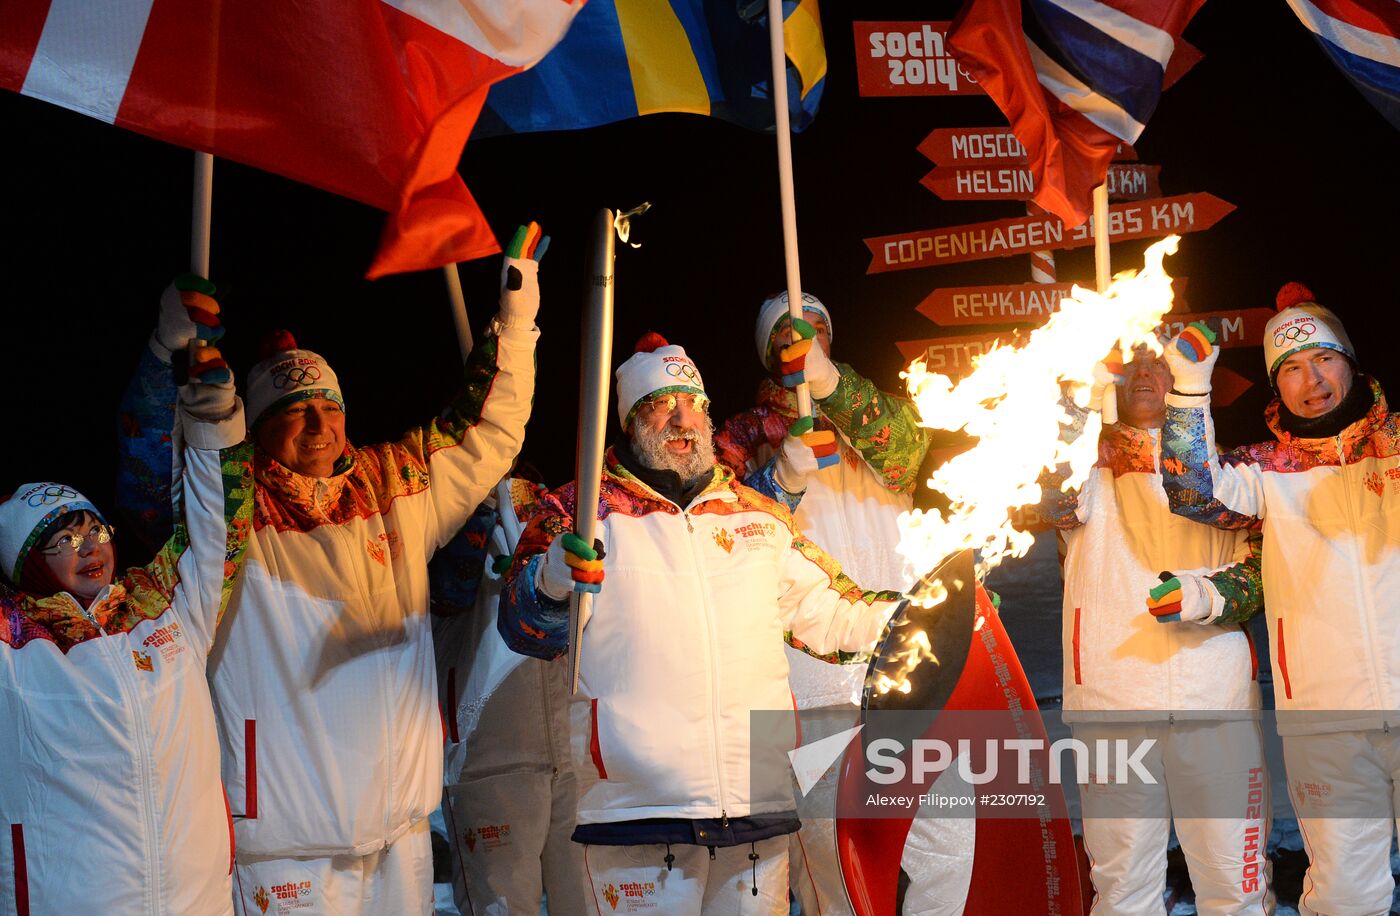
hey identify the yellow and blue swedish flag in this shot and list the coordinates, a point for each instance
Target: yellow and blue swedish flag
(625, 58)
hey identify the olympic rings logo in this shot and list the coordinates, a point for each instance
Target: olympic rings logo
(1297, 333)
(682, 370)
(50, 494)
(297, 376)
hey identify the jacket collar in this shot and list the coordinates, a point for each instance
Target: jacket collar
(304, 494)
(721, 485)
(1352, 439)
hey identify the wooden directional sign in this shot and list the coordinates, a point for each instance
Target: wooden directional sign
(1020, 303)
(953, 355)
(1128, 181)
(1022, 234)
(1226, 386)
(908, 58)
(983, 145)
(1238, 328)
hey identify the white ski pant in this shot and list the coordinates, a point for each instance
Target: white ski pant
(395, 881)
(1199, 767)
(1332, 780)
(635, 879)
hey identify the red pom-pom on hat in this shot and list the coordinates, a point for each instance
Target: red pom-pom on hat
(1291, 294)
(650, 343)
(275, 342)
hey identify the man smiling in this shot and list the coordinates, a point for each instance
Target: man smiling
(1328, 494)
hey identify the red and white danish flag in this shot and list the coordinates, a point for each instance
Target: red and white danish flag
(371, 99)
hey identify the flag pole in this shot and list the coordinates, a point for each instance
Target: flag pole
(458, 303)
(1103, 275)
(785, 185)
(594, 388)
(201, 218)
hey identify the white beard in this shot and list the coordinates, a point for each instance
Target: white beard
(650, 448)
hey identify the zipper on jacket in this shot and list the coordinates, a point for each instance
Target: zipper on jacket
(1376, 683)
(126, 682)
(714, 674)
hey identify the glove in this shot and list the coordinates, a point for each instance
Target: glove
(1182, 597)
(208, 392)
(1191, 355)
(520, 284)
(804, 451)
(570, 565)
(804, 361)
(1106, 372)
(187, 312)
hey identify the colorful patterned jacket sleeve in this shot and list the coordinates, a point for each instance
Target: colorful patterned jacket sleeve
(454, 575)
(531, 623)
(765, 481)
(1242, 584)
(743, 437)
(196, 569)
(882, 427)
(145, 451)
(1200, 485)
(1058, 507)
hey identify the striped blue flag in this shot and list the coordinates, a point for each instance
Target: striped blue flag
(1363, 39)
(1074, 78)
(625, 58)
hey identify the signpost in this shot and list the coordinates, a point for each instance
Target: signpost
(1016, 303)
(1008, 181)
(983, 145)
(1145, 219)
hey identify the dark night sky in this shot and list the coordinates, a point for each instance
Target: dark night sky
(97, 222)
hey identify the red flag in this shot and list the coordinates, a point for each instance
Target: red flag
(1074, 80)
(372, 99)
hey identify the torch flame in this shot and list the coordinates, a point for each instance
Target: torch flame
(1011, 404)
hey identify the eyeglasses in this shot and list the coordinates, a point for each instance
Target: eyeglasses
(663, 405)
(69, 543)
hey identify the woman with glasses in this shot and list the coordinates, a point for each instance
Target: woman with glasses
(110, 797)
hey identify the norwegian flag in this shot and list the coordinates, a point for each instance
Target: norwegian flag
(1363, 39)
(372, 99)
(1074, 78)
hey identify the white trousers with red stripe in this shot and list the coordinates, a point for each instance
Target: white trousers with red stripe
(1225, 854)
(396, 880)
(1332, 779)
(635, 879)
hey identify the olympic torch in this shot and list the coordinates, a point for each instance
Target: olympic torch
(595, 361)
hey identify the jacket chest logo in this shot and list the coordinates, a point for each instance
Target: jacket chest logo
(1373, 483)
(169, 640)
(753, 536)
(143, 662)
(724, 539)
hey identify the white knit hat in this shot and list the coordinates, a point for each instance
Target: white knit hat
(656, 367)
(772, 312)
(288, 374)
(1301, 324)
(25, 516)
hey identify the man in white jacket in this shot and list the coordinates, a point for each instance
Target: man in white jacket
(685, 643)
(323, 679)
(1327, 492)
(1188, 683)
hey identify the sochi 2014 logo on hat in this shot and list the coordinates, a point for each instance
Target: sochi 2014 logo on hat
(297, 372)
(1295, 331)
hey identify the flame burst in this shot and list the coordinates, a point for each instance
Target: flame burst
(1011, 404)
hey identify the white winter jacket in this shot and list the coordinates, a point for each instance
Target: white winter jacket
(1331, 515)
(1121, 535)
(109, 778)
(684, 642)
(324, 683)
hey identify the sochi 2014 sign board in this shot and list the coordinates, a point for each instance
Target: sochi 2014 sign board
(1023, 234)
(908, 58)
